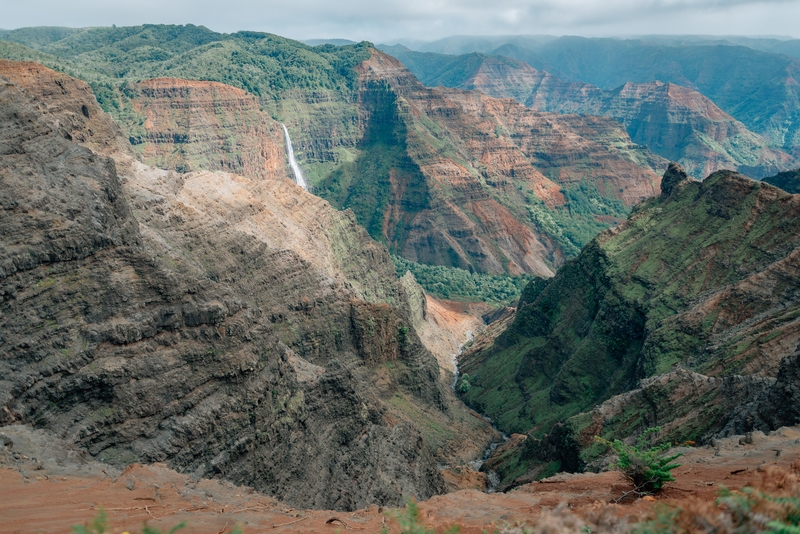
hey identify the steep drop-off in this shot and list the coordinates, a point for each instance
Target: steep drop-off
(229, 326)
(688, 309)
(673, 121)
(192, 125)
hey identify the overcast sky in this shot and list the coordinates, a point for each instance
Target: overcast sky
(387, 21)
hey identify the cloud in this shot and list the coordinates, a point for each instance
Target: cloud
(425, 19)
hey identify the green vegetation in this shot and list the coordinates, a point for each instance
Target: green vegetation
(644, 464)
(586, 214)
(99, 525)
(365, 183)
(788, 181)
(618, 313)
(453, 283)
(263, 64)
(410, 522)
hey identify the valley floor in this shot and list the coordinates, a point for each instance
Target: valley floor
(45, 491)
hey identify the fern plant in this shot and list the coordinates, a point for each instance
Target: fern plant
(645, 465)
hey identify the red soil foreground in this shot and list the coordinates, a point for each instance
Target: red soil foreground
(34, 498)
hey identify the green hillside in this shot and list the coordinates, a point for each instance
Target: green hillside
(789, 181)
(311, 89)
(700, 279)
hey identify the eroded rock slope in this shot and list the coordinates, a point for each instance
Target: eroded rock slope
(232, 327)
(451, 177)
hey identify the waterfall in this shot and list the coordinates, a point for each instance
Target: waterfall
(298, 174)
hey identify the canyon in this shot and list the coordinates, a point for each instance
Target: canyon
(177, 310)
(440, 177)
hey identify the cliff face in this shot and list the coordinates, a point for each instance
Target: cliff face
(232, 327)
(191, 125)
(702, 279)
(446, 176)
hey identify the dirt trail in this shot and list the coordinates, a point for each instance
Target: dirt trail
(36, 495)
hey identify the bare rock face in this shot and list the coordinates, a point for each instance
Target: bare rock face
(777, 406)
(674, 176)
(231, 327)
(197, 125)
(675, 122)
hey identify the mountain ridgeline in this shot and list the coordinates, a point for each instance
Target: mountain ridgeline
(757, 87)
(441, 177)
(673, 119)
(678, 317)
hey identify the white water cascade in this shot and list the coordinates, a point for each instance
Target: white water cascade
(298, 174)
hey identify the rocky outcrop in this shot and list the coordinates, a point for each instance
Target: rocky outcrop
(685, 311)
(777, 406)
(229, 326)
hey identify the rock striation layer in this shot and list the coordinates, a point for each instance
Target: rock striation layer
(229, 326)
(195, 125)
(676, 122)
(446, 176)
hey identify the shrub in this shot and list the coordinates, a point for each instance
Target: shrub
(771, 506)
(645, 465)
(99, 525)
(410, 522)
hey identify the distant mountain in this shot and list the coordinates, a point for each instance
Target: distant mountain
(334, 42)
(678, 317)
(37, 36)
(675, 122)
(759, 88)
(464, 44)
(787, 46)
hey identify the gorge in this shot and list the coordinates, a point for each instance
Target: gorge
(486, 273)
